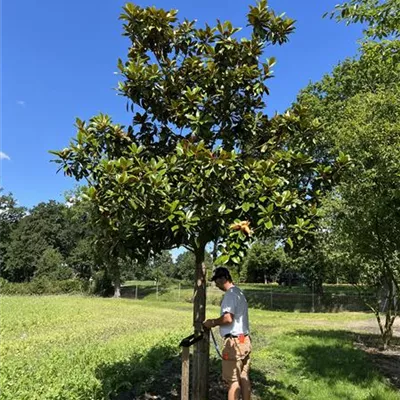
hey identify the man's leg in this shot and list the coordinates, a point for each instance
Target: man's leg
(245, 384)
(231, 370)
(245, 388)
(234, 391)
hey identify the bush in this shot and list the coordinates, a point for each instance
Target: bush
(3, 282)
(10, 288)
(72, 286)
(42, 285)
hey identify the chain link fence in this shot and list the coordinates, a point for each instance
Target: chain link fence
(262, 298)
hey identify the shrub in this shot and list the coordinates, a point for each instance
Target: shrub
(72, 286)
(41, 286)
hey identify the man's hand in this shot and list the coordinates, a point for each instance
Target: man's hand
(209, 323)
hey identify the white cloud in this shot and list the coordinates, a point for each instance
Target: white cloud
(21, 103)
(4, 156)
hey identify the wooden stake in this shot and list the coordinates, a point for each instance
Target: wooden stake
(185, 374)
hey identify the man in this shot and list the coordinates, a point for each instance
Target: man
(234, 328)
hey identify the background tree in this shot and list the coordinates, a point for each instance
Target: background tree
(52, 265)
(46, 226)
(184, 265)
(381, 18)
(366, 219)
(82, 257)
(309, 266)
(359, 107)
(263, 262)
(10, 215)
(161, 266)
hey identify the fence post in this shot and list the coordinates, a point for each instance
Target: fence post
(157, 290)
(179, 292)
(271, 299)
(136, 292)
(313, 299)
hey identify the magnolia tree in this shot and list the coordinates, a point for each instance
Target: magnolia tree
(184, 174)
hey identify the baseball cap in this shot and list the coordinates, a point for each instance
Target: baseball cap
(221, 272)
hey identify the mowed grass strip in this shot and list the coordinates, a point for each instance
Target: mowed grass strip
(61, 347)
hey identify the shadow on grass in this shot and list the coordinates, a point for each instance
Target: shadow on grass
(154, 371)
(355, 361)
(271, 389)
(157, 375)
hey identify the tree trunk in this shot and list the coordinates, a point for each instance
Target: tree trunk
(319, 288)
(214, 257)
(386, 337)
(391, 314)
(215, 251)
(201, 353)
(117, 289)
(117, 282)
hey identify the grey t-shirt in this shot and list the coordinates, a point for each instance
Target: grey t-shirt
(235, 303)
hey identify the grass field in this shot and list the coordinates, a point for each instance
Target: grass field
(60, 347)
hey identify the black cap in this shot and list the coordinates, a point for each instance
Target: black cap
(221, 272)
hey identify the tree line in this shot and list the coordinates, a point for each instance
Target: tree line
(56, 241)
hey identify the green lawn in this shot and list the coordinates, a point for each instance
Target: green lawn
(60, 347)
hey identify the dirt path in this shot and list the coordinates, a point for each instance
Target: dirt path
(388, 361)
(371, 326)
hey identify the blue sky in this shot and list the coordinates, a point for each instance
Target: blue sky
(58, 63)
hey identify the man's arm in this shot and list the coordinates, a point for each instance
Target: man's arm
(224, 319)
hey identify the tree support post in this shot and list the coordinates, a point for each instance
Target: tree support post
(185, 374)
(185, 344)
(201, 353)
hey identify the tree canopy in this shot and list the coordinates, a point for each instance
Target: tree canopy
(381, 18)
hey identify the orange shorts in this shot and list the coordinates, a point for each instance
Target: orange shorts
(236, 359)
